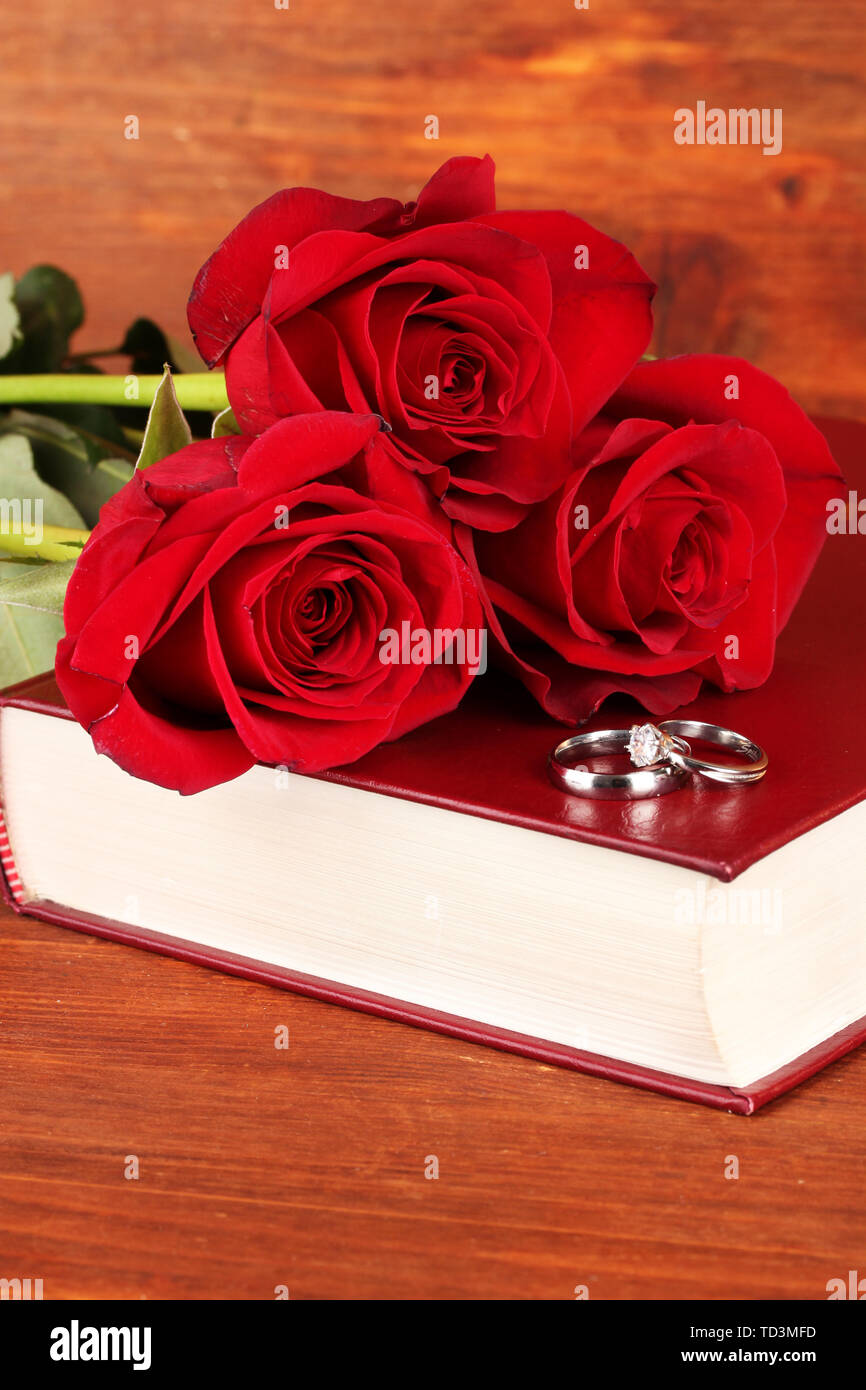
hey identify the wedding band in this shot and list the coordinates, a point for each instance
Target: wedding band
(654, 780)
(730, 773)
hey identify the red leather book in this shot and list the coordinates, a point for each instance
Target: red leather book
(487, 761)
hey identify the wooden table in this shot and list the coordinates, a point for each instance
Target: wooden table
(305, 1167)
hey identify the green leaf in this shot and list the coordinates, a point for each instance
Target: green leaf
(70, 461)
(98, 423)
(166, 430)
(20, 481)
(10, 319)
(225, 423)
(28, 637)
(36, 521)
(50, 308)
(41, 587)
(50, 437)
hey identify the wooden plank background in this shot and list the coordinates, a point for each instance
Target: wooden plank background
(754, 254)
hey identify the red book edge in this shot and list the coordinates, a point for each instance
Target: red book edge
(738, 1101)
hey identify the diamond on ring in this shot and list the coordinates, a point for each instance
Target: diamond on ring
(647, 744)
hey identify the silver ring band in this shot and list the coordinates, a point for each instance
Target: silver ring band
(730, 773)
(655, 780)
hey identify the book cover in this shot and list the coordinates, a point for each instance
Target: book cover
(488, 759)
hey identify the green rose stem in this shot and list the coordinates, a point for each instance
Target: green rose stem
(56, 543)
(195, 390)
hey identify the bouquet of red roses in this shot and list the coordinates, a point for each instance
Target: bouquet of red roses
(440, 441)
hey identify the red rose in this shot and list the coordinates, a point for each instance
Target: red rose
(675, 551)
(485, 340)
(229, 605)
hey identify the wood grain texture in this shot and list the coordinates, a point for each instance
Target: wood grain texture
(754, 255)
(305, 1167)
